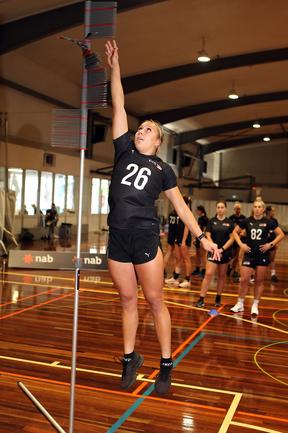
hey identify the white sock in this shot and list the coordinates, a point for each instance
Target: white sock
(256, 301)
(241, 300)
(273, 272)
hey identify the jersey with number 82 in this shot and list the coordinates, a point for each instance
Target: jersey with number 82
(257, 232)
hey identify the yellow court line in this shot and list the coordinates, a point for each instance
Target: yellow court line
(230, 413)
(277, 320)
(21, 274)
(228, 315)
(172, 289)
(141, 377)
(113, 292)
(262, 369)
(255, 427)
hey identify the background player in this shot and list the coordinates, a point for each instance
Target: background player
(219, 230)
(270, 213)
(235, 265)
(256, 253)
(200, 256)
(138, 178)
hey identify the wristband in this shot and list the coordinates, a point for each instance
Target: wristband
(201, 236)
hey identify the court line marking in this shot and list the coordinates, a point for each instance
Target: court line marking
(140, 377)
(109, 391)
(140, 399)
(62, 287)
(15, 313)
(28, 297)
(177, 350)
(277, 320)
(262, 369)
(229, 315)
(254, 427)
(166, 288)
(230, 413)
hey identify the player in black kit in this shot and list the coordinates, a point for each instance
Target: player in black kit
(236, 217)
(219, 230)
(256, 253)
(172, 233)
(200, 259)
(133, 247)
(270, 213)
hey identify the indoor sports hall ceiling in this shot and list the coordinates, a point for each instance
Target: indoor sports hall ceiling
(159, 42)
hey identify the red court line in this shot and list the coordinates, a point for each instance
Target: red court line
(110, 391)
(29, 297)
(148, 397)
(179, 349)
(35, 306)
(255, 415)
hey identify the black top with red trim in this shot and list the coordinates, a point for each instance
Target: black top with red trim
(257, 232)
(136, 183)
(220, 230)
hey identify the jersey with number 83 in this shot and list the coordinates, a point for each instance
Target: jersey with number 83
(136, 183)
(257, 232)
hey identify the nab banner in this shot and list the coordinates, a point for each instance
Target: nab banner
(30, 259)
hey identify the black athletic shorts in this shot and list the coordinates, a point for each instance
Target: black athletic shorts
(178, 240)
(256, 260)
(171, 238)
(226, 256)
(133, 246)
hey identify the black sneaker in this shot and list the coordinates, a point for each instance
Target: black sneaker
(163, 382)
(218, 301)
(196, 271)
(200, 303)
(274, 278)
(129, 372)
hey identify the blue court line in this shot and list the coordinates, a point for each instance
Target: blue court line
(140, 400)
(241, 337)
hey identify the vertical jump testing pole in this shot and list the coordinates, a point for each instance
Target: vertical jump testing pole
(99, 21)
(83, 145)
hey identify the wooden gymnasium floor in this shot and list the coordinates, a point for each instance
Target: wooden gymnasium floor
(231, 373)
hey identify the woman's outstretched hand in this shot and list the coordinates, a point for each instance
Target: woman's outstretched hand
(112, 53)
(212, 248)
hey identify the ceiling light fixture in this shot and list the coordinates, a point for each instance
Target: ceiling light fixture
(266, 138)
(232, 94)
(256, 124)
(202, 55)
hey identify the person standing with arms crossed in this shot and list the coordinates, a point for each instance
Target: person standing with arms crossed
(133, 251)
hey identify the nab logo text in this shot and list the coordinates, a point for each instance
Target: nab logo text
(92, 260)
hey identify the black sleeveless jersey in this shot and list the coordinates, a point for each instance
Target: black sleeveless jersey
(220, 230)
(257, 232)
(137, 180)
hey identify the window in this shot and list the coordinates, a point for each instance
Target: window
(95, 196)
(104, 195)
(2, 178)
(59, 192)
(15, 180)
(70, 202)
(46, 191)
(31, 191)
